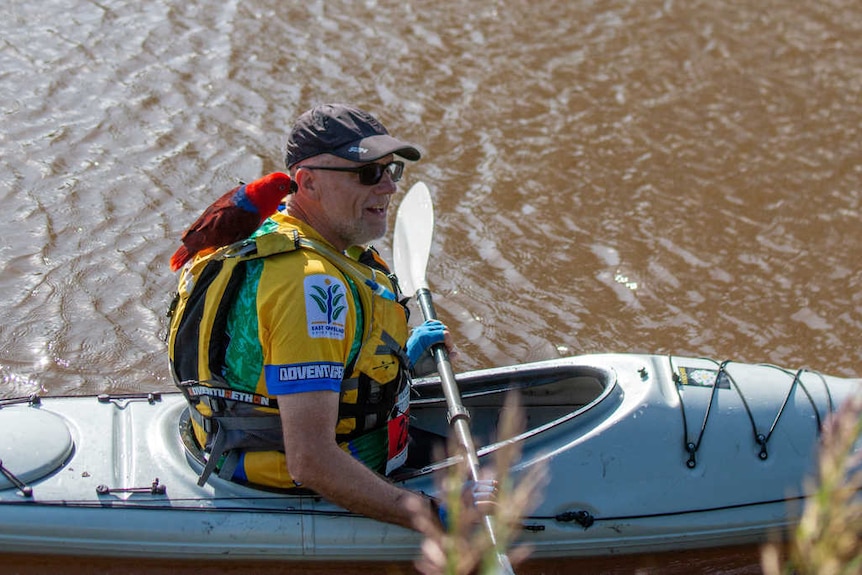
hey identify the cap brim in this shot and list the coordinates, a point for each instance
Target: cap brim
(375, 147)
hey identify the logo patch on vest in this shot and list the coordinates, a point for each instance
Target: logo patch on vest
(325, 306)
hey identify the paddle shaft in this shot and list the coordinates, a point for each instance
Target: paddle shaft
(459, 417)
(414, 230)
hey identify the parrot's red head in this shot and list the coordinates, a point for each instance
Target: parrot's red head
(267, 192)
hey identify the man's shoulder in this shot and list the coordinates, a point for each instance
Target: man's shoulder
(302, 262)
(286, 224)
(286, 241)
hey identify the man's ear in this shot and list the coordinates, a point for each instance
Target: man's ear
(306, 182)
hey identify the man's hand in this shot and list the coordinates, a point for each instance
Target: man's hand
(423, 337)
(481, 494)
(477, 498)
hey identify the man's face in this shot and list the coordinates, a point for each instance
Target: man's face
(351, 213)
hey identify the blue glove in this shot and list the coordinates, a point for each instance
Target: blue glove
(423, 337)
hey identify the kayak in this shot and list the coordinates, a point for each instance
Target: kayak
(644, 453)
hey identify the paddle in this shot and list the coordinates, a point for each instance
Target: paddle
(414, 230)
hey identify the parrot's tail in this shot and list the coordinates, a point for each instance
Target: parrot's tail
(180, 257)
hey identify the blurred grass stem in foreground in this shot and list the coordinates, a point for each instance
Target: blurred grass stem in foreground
(465, 546)
(827, 539)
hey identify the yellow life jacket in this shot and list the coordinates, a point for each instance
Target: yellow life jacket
(374, 397)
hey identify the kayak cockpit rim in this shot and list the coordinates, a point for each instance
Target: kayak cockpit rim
(554, 392)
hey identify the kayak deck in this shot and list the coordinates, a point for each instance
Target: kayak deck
(644, 453)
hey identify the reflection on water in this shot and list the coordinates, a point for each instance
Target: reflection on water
(651, 176)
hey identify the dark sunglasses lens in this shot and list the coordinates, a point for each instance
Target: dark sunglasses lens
(370, 174)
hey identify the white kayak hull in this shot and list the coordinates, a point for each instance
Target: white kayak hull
(645, 454)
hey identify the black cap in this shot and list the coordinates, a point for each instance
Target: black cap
(344, 131)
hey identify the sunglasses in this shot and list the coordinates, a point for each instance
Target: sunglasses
(369, 174)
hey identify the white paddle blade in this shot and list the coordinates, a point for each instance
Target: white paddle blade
(411, 244)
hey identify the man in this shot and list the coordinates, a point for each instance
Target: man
(307, 316)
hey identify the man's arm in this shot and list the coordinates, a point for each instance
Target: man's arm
(315, 460)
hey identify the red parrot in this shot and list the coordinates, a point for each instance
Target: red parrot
(233, 217)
